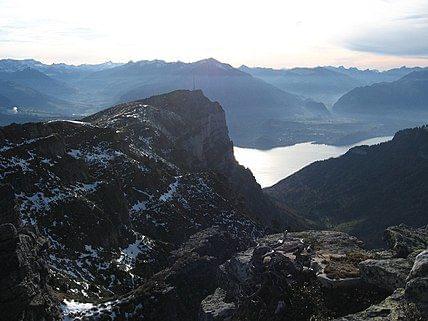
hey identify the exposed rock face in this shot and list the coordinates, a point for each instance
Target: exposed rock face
(409, 301)
(389, 274)
(24, 294)
(404, 240)
(190, 131)
(214, 307)
(393, 308)
(417, 282)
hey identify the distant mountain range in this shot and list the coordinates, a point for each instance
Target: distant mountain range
(264, 107)
(39, 81)
(246, 99)
(365, 190)
(325, 84)
(403, 98)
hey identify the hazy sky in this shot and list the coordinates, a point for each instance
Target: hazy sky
(283, 33)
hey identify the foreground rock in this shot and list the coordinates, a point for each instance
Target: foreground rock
(389, 274)
(24, 293)
(409, 301)
(298, 276)
(404, 240)
(215, 308)
(417, 282)
(393, 308)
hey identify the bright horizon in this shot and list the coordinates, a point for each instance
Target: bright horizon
(375, 34)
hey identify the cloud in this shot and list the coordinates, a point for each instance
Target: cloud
(403, 34)
(392, 41)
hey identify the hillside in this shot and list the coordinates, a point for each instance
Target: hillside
(406, 98)
(365, 190)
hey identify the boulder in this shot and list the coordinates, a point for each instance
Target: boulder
(393, 308)
(214, 307)
(388, 274)
(417, 285)
(238, 267)
(420, 267)
(417, 291)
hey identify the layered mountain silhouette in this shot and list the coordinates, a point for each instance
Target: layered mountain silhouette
(365, 190)
(405, 98)
(318, 83)
(325, 84)
(264, 107)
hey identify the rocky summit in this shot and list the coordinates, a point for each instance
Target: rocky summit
(141, 212)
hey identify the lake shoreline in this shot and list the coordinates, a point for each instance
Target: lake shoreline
(272, 165)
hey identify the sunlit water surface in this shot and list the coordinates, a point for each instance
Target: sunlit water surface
(270, 166)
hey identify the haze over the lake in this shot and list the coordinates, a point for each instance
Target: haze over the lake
(363, 33)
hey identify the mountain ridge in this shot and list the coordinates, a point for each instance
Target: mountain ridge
(403, 98)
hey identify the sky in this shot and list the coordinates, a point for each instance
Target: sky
(378, 34)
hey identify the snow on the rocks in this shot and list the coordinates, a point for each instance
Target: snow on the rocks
(172, 189)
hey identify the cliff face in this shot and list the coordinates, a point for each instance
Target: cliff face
(24, 294)
(190, 131)
(183, 126)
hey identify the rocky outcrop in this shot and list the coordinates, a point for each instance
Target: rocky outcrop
(190, 131)
(417, 282)
(24, 293)
(177, 292)
(389, 274)
(214, 307)
(393, 308)
(409, 301)
(405, 240)
(296, 276)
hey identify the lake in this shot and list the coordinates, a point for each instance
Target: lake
(270, 166)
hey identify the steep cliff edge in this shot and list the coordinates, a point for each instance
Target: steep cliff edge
(189, 130)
